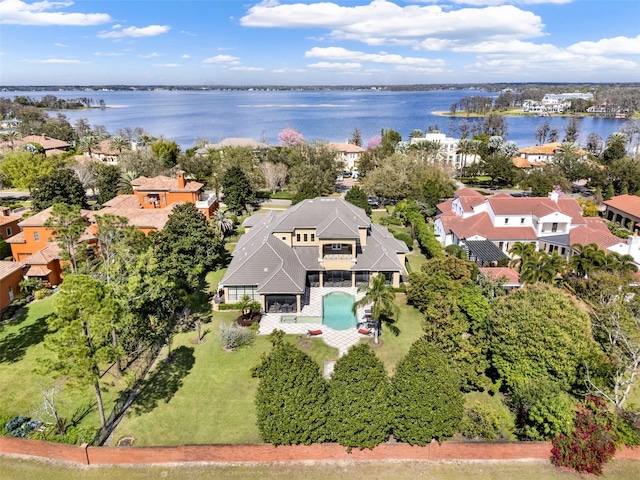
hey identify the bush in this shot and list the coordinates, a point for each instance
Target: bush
(404, 237)
(592, 442)
(234, 337)
(42, 293)
(480, 421)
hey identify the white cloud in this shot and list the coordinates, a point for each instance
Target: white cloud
(479, 3)
(118, 31)
(166, 65)
(335, 66)
(246, 69)
(68, 61)
(150, 55)
(16, 12)
(225, 59)
(109, 54)
(382, 22)
(608, 46)
(186, 55)
(60, 45)
(342, 54)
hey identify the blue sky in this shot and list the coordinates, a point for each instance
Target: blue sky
(332, 42)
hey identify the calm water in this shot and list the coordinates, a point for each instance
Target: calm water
(336, 311)
(332, 115)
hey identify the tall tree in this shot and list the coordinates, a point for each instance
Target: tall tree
(188, 247)
(67, 226)
(62, 185)
(359, 394)
(167, 151)
(426, 399)
(381, 298)
(83, 314)
(291, 400)
(107, 182)
(358, 197)
(236, 189)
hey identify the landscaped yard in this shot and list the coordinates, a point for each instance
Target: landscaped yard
(22, 385)
(203, 394)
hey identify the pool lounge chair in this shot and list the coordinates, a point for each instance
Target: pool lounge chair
(364, 331)
(313, 333)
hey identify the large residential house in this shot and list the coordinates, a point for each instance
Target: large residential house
(148, 209)
(231, 142)
(8, 223)
(554, 102)
(51, 146)
(448, 149)
(10, 278)
(347, 153)
(546, 153)
(489, 226)
(321, 242)
(625, 210)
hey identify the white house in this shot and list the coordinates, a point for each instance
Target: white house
(448, 148)
(347, 153)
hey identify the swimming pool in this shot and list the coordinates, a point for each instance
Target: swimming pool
(336, 311)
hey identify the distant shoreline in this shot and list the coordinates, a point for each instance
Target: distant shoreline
(443, 113)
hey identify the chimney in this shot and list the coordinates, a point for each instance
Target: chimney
(181, 181)
(633, 241)
(554, 196)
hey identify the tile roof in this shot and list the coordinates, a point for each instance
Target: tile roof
(34, 271)
(8, 219)
(625, 203)
(164, 183)
(346, 147)
(7, 268)
(595, 231)
(482, 225)
(153, 218)
(44, 256)
(40, 218)
(511, 276)
(504, 204)
(47, 143)
(548, 149)
(17, 238)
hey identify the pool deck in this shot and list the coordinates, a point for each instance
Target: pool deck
(343, 340)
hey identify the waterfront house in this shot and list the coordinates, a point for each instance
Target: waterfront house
(347, 154)
(488, 226)
(546, 153)
(320, 242)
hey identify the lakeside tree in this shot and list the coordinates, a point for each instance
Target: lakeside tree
(237, 190)
(167, 151)
(84, 311)
(21, 169)
(291, 400)
(62, 185)
(426, 400)
(289, 137)
(359, 398)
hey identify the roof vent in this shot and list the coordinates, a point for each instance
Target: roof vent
(266, 269)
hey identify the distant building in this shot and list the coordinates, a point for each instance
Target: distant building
(347, 153)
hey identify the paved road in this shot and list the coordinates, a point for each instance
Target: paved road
(13, 194)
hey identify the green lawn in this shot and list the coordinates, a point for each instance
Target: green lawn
(20, 469)
(204, 394)
(21, 383)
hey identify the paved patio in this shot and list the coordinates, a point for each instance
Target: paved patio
(340, 339)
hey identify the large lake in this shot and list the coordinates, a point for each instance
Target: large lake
(329, 115)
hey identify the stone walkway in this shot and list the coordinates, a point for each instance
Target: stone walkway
(343, 340)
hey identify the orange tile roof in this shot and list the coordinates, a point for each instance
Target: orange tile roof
(548, 149)
(34, 271)
(497, 273)
(521, 162)
(139, 217)
(346, 148)
(44, 256)
(17, 238)
(47, 143)
(164, 183)
(625, 203)
(8, 219)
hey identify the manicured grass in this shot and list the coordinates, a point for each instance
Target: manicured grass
(204, 394)
(20, 469)
(21, 382)
(410, 324)
(213, 279)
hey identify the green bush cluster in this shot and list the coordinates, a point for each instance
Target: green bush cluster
(429, 245)
(359, 407)
(404, 237)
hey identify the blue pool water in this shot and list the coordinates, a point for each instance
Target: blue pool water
(336, 311)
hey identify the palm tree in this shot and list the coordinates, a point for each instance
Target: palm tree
(466, 147)
(88, 143)
(519, 253)
(382, 300)
(615, 262)
(120, 143)
(590, 259)
(124, 186)
(223, 221)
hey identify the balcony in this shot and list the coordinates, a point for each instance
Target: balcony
(207, 202)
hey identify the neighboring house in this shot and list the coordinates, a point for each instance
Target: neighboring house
(36, 248)
(347, 153)
(320, 242)
(10, 278)
(51, 146)
(8, 223)
(546, 153)
(148, 209)
(552, 223)
(161, 191)
(625, 210)
(448, 149)
(105, 152)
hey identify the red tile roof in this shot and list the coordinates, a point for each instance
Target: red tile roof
(481, 224)
(503, 204)
(625, 203)
(164, 183)
(499, 273)
(595, 231)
